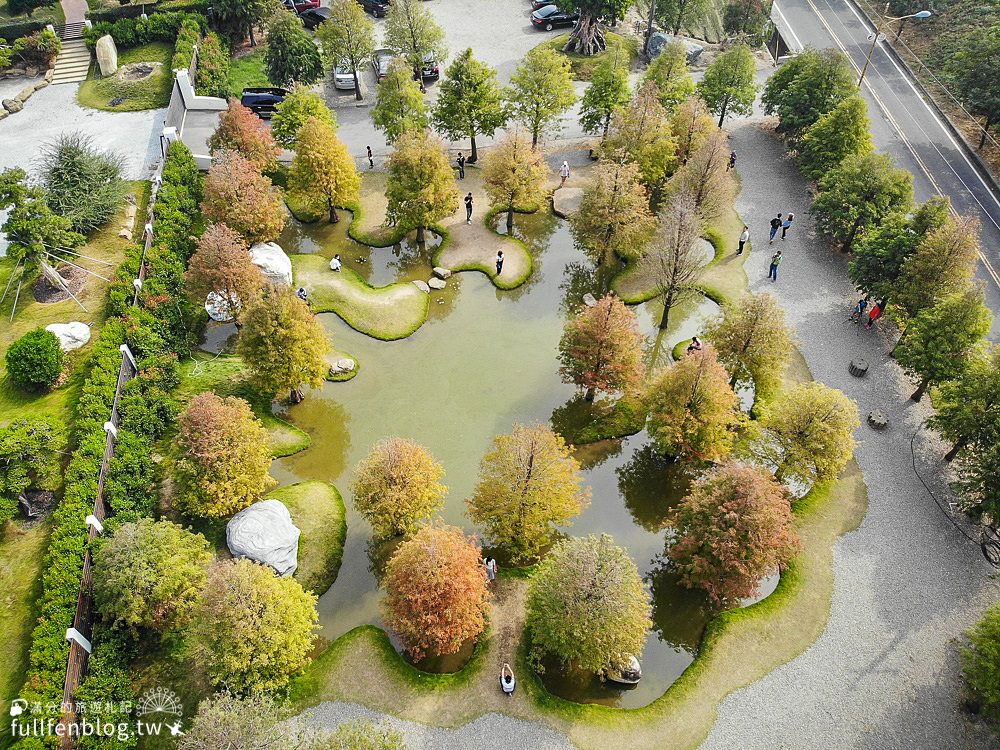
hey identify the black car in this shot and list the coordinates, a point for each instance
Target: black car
(263, 100)
(377, 8)
(550, 17)
(316, 16)
(381, 59)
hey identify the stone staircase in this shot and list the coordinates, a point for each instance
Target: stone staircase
(74, 59)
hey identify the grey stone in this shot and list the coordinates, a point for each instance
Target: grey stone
(441, 273)
(566, 201)
(421, 285)
(264, 532)
(272, 260)
(71, 335)
(31, 71)
(126, 233)
(436, 283)
(107, 55)
(4, 113)
(343, 365)
(659, 40)
(12, 105)
(589, 300)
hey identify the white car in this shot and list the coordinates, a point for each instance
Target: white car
(343, 78)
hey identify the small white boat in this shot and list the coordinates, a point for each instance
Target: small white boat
(630, 675)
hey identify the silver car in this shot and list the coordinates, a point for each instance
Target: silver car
(343, 77)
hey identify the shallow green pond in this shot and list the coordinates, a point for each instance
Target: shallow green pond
(484, 360)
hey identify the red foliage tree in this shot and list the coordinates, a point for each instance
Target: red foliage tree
(735, 528)
(222, 264)
(601, 348)
(436, 595)
(238, 195)
(240, 130)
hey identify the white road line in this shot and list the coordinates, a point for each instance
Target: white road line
(790, 29)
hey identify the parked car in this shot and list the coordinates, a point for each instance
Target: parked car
(551, 16)
(431, 68)
(377, 8)
(314, 17)
(343, 77)
(262, 100)
(536, 4)
(380, 62)
(299, 6)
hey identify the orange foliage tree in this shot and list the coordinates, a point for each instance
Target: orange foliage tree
(601, 348)
(240, 130)
(436, 595)
(222, 264)
(238, 195)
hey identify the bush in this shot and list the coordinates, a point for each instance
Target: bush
(34, 361)
(38, 48)
(212, 76)
(17, 29)
(134, 32)
(27, 460)
(82, 184)
(188, 34)
(138, 9)
(981, 663)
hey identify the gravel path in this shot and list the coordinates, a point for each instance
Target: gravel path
(885, 672)
(488, 732)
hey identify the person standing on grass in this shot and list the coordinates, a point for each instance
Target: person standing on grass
(564, 173)
(775, 262)
(499, 261)
(787, 224)
(468, 208)
(371, 160)
(461, 165)
(775, 226)
(744, 236)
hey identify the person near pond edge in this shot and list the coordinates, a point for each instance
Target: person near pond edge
(468, 209)
(787, 224)
(491, 569)
(563, 173)
(695, 345)
(461, 165)
(499, 261)
(744, 236)
(775, 262)
(335, 263)
(775, 226)
(507, 681)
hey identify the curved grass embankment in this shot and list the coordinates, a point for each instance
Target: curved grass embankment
(318, 511)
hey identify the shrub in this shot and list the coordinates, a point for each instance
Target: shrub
(134, 32)
(981, 662)
(27, 460)
(188, 34)
(39, 48)
(35, 361)
(82, 184)
(212, 76)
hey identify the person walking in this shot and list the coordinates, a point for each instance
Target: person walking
(461, 165)
(468, 208)
(787, 224)
(744, 236)
(491, 569)
(499, 261)
(775, 226)
(564, 173)
(371, 160)
(732, 161)
(775, 262)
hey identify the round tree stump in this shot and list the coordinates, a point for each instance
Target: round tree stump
(858, 367)
(878, 420)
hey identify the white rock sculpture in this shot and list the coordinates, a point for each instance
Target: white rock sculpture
(566, 201)
(264, 532)
(107, 55)
(71, 335)
(343, 365)
(273, 261)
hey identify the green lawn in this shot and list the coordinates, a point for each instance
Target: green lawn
(247, 70)
(151, 93)
(318, 510)
(583, 65)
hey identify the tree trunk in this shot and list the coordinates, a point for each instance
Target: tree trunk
(420, 234)
(474, 156)
(668, 302)
(587, 37)
(333, 213)
(534, 137)
(722, 116)
(357, 85)
(510, 220)
(607, 126)
(680, 19)
(899, 31)
(649, 27)
(950, 455)
(982, 138)
(919, 393)
(296, 396)
(852, 235)
(253, 39)
(591, 392)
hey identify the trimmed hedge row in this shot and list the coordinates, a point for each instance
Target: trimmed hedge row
(188, 34)
(152, 331)
(134, 32)
(16, 29)
(134, 11)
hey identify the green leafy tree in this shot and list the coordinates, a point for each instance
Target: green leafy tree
(968, 407)
(692, 125)
(32, 228)
(587, 606)
(614, 216)
(587, 37)
(397, 487)
(641, 134)
(734, 529)
(669, 71)
(541, 91)
(879, 255)
(728, 86)
(809, 433)
(841, 132)
(752, 341)
(607, 94)
(240, 130)
(35, 361)
(745, 17)
(291, 55)
(347, 38)
(150, 575)
(399, 104)
(601, 348)
(675, 262)
(682, 14)
(283, 344)
(806, 87)
(223, 456)
(529, 483)
(981, 663)
(942, 338)
(301, 104)
(411, 30)
(470, 102)
(436, 592)
(692, 408)
(514, 175)
(255, 628)
(972, 69)
(978, 469)
(421, 185)
(236, 19)
(82, 184)
(943, 263)
(222, 264)
(27, 461)
(859, 194)
(322, 169)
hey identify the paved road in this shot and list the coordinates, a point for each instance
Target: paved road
(903, 124)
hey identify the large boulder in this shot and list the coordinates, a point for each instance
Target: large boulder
(442, 273)
(71, 335)
(566, 201)
(107, 55)
(264, 532)
(659, 40)
(273, 261)
(12, 105)
(422, 286)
